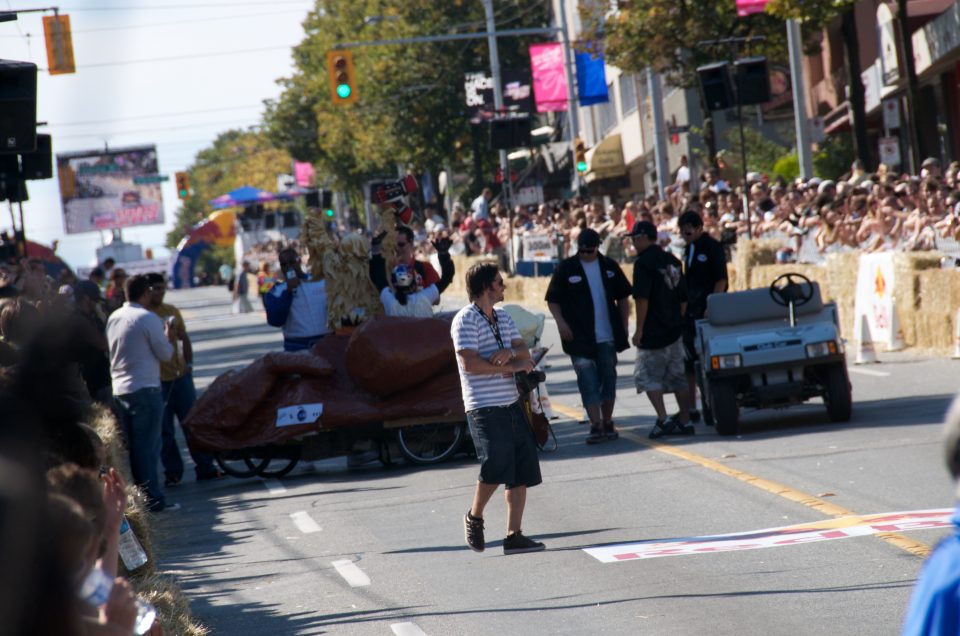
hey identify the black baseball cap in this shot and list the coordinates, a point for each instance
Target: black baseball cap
(644, 228)
(588, 239)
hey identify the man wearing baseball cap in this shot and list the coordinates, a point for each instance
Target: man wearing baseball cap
(660, 294)
(589, 297)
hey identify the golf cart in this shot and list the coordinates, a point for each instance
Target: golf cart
(771, 347)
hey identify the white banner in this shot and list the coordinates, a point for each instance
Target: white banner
(827, 530)
(300, 414)
(539, 247)
(875, 285)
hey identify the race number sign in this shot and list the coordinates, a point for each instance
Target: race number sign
(874, 299)
(539, 247)
(300, 414)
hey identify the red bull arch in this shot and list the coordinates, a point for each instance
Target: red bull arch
(219, 229)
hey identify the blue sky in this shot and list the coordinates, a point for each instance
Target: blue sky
(170, 73)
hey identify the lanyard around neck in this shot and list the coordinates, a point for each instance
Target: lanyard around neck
(493, 324)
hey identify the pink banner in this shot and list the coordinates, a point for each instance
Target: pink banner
(303, 173)
(549, 80)
(748, 7)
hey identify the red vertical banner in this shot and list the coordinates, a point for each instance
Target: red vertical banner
(549, 80)
(749, 7)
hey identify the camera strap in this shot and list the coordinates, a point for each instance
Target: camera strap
(493, 324)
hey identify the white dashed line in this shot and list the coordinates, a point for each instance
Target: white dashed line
(407, 629)
(876, 374)
(305, 522)
(351, 573)
(274, 487)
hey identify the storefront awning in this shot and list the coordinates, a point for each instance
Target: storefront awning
(606, 159)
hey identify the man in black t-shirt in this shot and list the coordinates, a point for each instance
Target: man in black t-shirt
(705, 270)
(91, 341)
(661, 297)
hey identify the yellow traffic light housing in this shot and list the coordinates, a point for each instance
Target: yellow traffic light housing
(581, 149)
(183, 185)
(343, 86)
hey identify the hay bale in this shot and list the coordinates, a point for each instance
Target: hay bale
(173, 609)
(750, 254)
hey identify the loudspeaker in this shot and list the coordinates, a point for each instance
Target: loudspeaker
(38, 164)
(18, 106)
(509, 133)
(717, 87)
(312, 199)
(753, 80)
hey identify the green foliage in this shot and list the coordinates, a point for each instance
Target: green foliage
(787, 166)
(834, 156)
(410, 108)
(762, 153)
(236, 158)
(665, 35)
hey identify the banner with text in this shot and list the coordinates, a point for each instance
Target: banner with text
(549, 80)
(107, 190)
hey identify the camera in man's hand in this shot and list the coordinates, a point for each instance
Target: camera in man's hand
(529, 380)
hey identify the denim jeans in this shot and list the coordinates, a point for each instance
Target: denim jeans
(597, 376)
(140, 419)
(178, 398)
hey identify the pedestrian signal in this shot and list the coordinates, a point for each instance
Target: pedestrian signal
(183, 185)
(343, 89)
(581, 149)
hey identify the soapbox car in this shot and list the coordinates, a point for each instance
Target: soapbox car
(770, 347)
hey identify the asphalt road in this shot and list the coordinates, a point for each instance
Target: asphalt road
(380, 550)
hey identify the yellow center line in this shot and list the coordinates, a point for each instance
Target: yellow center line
(826, 508)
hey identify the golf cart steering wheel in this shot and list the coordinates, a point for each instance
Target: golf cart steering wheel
(790, 288)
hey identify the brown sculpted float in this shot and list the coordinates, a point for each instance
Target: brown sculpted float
(388, 368)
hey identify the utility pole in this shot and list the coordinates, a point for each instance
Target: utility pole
(573, 112)
(659, 140)
(497, 96)
(801, 123)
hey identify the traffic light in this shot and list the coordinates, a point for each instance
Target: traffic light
(581, 149)
(183, 185)
(343, 86)
(326, 202)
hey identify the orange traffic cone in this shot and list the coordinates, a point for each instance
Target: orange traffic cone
(866, 354)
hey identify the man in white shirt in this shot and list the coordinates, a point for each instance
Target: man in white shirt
(139, 341)
(480, 207)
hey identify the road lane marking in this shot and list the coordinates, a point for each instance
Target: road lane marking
(826, 530)
(351, 573)
(274, 487)
(407, 629)
(875, 374)
(305, 522)
(826, 508)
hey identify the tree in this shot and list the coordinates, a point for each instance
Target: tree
(236, 158)
(410, 109)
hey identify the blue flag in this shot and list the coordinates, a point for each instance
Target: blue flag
(591, 79)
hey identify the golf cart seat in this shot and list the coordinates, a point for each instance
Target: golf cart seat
(755, 305)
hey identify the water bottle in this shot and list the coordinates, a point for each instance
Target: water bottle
(131, 552)
(96, 590)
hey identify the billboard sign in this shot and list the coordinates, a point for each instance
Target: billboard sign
(517, 94)
(109, 189)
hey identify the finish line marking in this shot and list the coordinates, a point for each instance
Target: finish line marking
(274, 487)
(842, 528)
(827, 508)
(875, 374)
(407, 629)
(305, 522)
(351, 573)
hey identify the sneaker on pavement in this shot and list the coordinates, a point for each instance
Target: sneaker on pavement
(517, 543)
(610, 431)
(661, 428)
(681, 428)
(596, 435)
(473, 532)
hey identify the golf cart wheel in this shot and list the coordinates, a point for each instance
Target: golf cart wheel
(704, 403)
(427, 444)
(726, 413)
(239, 463)
(837, 394)
(282, 463)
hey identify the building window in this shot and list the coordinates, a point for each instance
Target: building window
(628, 94)
(607, 114)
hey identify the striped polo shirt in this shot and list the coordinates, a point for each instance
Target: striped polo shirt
(471, 330)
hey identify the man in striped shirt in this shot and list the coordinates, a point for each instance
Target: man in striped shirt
(490, 352)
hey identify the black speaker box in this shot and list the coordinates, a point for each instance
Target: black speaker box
(509, 133)
(716, 85)
(38, 164)
(753, 80)
(18, 106)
